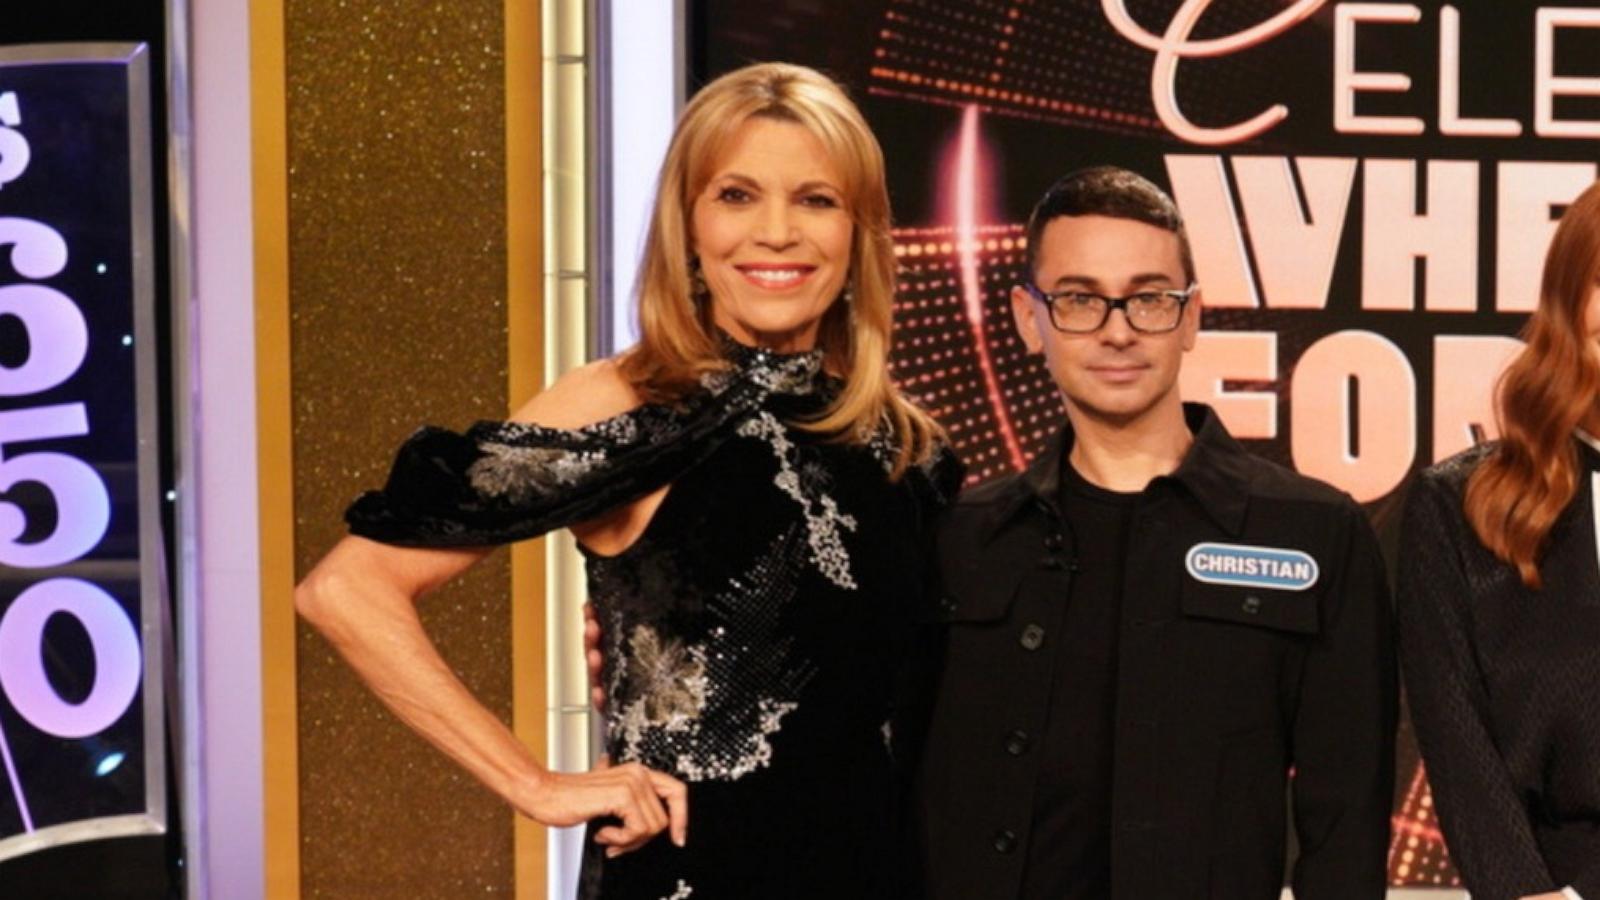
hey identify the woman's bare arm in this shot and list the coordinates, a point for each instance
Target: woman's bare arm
(362, 596)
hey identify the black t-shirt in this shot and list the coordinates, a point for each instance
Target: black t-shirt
(1069, 852)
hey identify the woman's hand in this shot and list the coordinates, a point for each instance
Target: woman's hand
(644, 800)
(362, 597)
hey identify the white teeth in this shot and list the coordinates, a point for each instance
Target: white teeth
(775, 276)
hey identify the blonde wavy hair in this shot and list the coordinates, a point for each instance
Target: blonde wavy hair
(677, 341)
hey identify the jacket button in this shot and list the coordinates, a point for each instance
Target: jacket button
(1005, 841)
(1251, 604)
(1053, 543)
(1051, 562)
(947, 603)
(1032, 638)
(1017, 742)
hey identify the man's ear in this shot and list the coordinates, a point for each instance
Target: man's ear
(1028, 314)
(1191, 320)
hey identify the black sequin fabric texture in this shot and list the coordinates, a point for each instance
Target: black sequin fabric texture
(749, 634)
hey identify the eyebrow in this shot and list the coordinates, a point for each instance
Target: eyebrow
(1143, 279)
(747, 181)
(818, 185)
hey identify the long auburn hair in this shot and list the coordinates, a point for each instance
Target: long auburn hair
(1517, 493)
(677, 341)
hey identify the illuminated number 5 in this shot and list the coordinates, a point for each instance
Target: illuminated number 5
(116, 658)
(83, 509)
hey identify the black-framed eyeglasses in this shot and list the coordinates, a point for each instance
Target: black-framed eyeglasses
(1076, 311)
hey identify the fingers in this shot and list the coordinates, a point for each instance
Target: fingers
(676, 795)
(592, 657)
(639, 804)
(652, 815)
(597, 694)
(616, 841)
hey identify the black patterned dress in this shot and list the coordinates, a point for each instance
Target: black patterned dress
(750, 633)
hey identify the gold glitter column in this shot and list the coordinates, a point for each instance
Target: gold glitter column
(397, 285)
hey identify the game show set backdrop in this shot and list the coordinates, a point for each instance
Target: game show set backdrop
(1369, 188)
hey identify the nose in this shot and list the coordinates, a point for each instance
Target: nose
(776, 226)
(1117, 332)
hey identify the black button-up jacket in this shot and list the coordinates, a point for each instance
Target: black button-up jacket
(1230, 697)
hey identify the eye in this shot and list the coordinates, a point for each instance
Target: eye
(1079, 299)
(731, 194)
(1149, 299)
(820, 201)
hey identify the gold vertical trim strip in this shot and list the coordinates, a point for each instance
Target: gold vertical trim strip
(525, 369)
(270, 199)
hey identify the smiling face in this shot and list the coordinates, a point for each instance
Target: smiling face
(1115, 374)
(773, 235)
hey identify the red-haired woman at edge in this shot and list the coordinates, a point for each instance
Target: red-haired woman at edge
(1499, 601)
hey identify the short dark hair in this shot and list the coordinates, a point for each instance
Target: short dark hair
(1108, 191)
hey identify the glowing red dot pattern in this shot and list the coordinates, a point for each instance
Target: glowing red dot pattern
(935, 360)
(1055, 61)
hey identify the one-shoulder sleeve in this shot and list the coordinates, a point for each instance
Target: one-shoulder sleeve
(505, 481)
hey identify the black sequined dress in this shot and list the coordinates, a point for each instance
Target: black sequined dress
(750, 632)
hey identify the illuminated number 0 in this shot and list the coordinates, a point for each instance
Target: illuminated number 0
(116, 658)
(83, 509)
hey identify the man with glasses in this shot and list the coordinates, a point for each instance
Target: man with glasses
(1150, 642)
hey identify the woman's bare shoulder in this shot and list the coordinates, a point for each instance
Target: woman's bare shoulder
(582, 396)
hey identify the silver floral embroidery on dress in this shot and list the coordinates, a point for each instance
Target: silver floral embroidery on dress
(669, 678)
(756, 755)
(823, 518)
(523, 461)
(706, 710)
(793, 374)
(770, 373)
(882, 446)
(683, 892)
(521, 473)
(519, 463)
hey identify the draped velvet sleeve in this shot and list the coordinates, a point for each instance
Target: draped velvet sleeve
(501, 482)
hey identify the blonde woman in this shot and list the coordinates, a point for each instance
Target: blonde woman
(752, 497)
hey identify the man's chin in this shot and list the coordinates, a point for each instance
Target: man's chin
(1118, 414)
(1117, 411)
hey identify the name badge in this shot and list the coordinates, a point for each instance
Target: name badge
(1242, 565)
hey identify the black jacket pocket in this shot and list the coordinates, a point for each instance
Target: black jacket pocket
(1292, 611)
